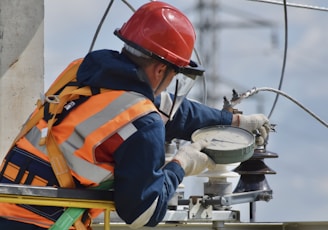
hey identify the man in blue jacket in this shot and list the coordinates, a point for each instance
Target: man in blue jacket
(159, 41)
(142, 195)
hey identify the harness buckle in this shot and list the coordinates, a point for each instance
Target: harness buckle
(53, 99)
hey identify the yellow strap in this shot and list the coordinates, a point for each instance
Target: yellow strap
(79, 225)
(59, 164)
(65, 77)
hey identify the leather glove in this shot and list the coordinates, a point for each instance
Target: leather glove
(256, 123)
(192, 160)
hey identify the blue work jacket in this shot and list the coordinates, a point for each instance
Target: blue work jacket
(142, 185)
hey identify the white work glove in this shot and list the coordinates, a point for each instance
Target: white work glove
(192, 160)
(257, 124)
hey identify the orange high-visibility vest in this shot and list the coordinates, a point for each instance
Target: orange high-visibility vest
(103, 120)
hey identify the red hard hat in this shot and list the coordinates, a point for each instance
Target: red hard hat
(160, 29)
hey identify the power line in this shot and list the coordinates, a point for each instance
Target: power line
(297, 5)
(284, 60)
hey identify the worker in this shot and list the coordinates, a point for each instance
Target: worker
(120, 134)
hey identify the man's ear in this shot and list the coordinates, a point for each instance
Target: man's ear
(159, 69)
(156, 71)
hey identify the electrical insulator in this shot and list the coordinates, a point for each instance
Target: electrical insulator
(252, 172)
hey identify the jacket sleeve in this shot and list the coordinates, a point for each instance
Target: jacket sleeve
(191, 116)
(142, 185)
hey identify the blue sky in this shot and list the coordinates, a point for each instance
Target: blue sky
(246, 58)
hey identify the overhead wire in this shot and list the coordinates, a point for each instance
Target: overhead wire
(297, 5)
(278, 91)
(129, 5)
(284, 59)
(100, 25)
(256, 90)
(103, 19)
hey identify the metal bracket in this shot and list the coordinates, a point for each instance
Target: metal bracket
(238, 198)
(197, 209)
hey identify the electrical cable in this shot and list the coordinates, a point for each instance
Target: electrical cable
(319, 8)
(100, 25)
(103, 19)
(248, 17)
(129, 5)
(256, 90)
(284, 59)
(278, 91)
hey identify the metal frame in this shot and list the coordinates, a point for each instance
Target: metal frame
(49, 196)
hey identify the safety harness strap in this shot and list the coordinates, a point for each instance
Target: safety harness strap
(59, 164)
(56, 157)
(68, 218)
(58, 161)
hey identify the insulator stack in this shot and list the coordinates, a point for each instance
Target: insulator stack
(252, 172)
(218, 185)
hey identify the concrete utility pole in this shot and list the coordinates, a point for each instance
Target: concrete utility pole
(21, 64)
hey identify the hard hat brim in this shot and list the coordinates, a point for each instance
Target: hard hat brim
(192, 70)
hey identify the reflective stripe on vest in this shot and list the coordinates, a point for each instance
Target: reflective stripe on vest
(78, 140)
